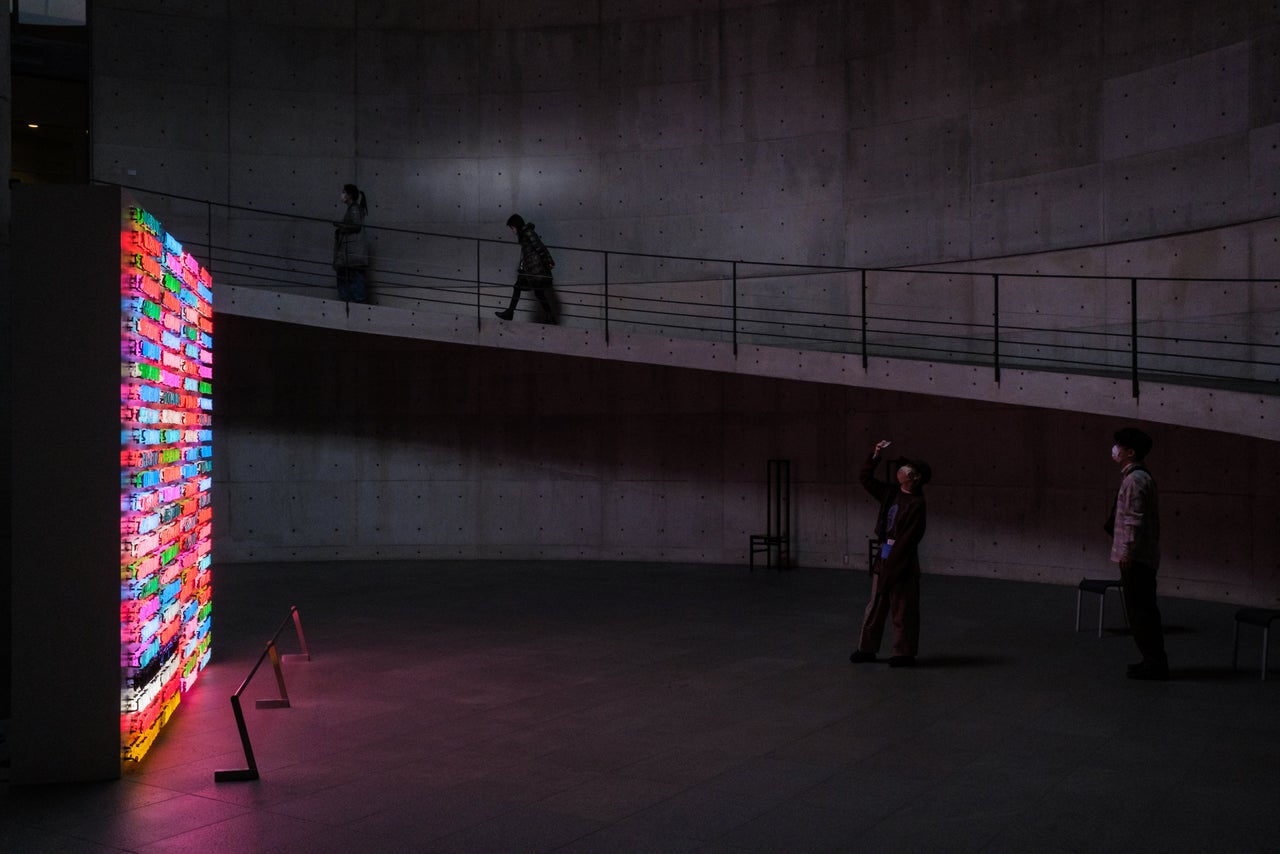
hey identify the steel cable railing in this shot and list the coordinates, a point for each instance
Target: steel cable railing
(1139, 329)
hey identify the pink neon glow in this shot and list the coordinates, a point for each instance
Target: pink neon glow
(165, 460)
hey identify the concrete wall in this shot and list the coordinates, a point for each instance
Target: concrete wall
(841, 131)
(335, 445)
(866, 133)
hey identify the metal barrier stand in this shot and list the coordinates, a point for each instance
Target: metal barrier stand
(239, 775)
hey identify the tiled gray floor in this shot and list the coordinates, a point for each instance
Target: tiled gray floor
(584, 707)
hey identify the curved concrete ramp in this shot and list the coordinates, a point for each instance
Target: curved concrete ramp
(1239, 412)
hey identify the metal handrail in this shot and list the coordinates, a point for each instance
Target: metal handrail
(772, 304)
(239, 775)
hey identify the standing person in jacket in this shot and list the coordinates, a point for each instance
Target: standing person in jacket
(895, 584)
(534, 272)
(350, 249)
(1135, 545)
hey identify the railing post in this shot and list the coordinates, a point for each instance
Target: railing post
(251, 772)
(864, 318)
(606, 299)
(995, 323)
(478, 307)
(1133, 332)
(239, 775)
(297, 627)
(734, 318)
(281, 702)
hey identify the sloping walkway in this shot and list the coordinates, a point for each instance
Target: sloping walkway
(1243, 413)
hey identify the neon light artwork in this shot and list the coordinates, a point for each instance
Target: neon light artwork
(166, 457)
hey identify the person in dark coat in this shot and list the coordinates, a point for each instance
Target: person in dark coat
(1135, 546)
(534, 272)
(895, 584)
(350, 249)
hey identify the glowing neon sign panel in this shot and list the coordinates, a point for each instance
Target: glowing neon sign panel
(166, 458)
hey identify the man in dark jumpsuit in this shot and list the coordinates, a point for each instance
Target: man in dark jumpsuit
(895, 585)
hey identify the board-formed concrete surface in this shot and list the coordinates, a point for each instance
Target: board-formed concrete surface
(1248, 414)
(852, 133)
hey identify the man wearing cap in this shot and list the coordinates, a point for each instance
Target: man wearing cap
(1135, 546)
(895, 584)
